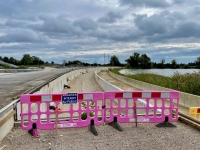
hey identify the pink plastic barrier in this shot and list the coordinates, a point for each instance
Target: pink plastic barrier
(67, 110)
(36, 112)
(159, 106)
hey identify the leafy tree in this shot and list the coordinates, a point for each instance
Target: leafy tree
(52, 62)
(12, 60)
(162, 63)
(35, 60)
(145, 61)
(1, 58)
(128, 66)
(41, 62)
(133, 61)
(174, 63)
(198, 62)
(6, 59)
(17, 62)
(139, 61)
(26, 60)
(114, 61)
(76, 62)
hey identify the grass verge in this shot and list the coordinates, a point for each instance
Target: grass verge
(189, 82)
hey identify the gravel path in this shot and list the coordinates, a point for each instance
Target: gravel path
(143, 137)
(84, 83)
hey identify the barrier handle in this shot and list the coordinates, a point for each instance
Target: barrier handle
(135, 112)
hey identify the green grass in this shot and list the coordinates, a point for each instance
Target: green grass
(189, 83)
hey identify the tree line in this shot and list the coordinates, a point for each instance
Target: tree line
(144, 62)
(25, 60)
(136, 60)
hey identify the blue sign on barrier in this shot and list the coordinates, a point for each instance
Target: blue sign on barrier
(70, 98)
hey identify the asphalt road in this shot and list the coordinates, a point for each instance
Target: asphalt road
(12, 85)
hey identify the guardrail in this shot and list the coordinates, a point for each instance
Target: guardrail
(4, 63)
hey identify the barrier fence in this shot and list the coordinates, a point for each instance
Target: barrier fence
(74, 110)
(195, 112)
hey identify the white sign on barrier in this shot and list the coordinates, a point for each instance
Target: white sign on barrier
(67, 125)
(139, 120)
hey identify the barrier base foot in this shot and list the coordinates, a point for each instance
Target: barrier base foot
(116, 125)
(34, 133)
(166, 123)
(92, 128)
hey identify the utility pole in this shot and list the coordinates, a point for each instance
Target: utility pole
(64, 61)
(104, 59)
(108, 58)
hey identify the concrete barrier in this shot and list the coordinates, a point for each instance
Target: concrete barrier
(106, 86)
(186, 100)
(6, 126)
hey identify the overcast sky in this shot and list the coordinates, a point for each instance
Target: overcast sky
(85, 30)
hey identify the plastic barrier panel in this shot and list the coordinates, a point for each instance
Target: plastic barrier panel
(195, 112)
(63, 110)
(160, 106)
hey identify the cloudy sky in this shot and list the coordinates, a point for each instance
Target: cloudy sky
(85, 30)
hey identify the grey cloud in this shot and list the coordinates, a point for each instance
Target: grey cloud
(186, 2)
(146, 3)
(54, 25)
(125, 35)
(179, 1)
(14, 23)
(24, 36)
(64, 27)
(86, 24)
(167, 26)
(186, 30)
(110, 17)
(195, 11)
(151, 25)
(23, 8)
(58, 29)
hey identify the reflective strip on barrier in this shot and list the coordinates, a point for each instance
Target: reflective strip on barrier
(35, 109)
(122, 106)
(50, 98)
(142, 95)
